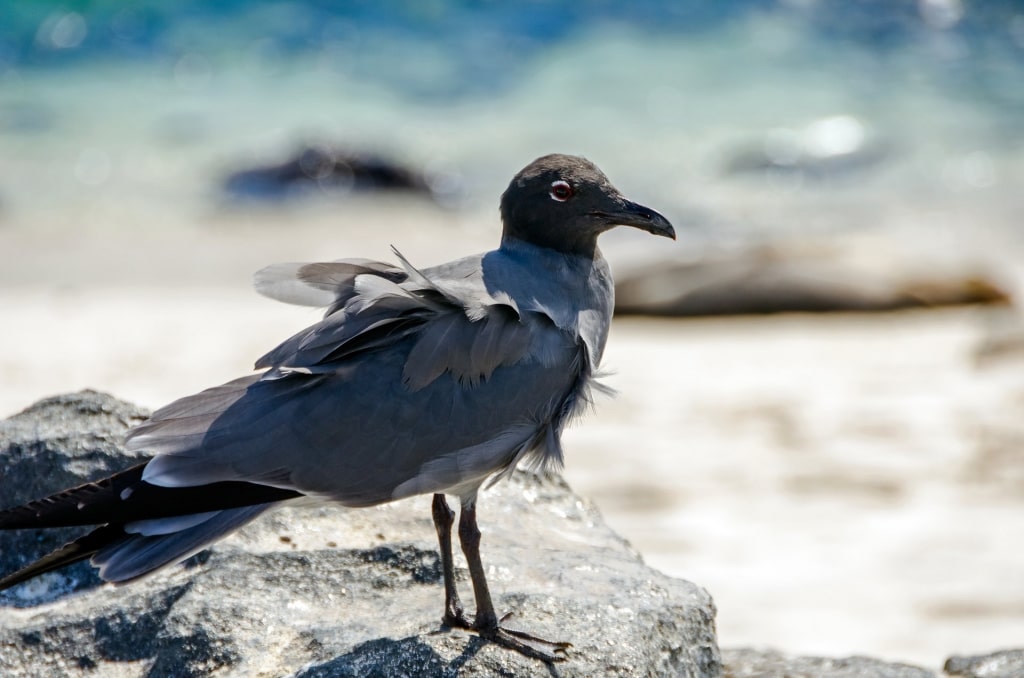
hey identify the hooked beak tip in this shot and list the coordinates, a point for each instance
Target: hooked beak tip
(665, 229)
(645, 219)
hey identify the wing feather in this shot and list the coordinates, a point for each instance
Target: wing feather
(404, 372)
(320, 284)
(469, 334)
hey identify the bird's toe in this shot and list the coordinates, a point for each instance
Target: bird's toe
(528, 644)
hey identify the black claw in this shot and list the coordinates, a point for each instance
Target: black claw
(559, 644)
(458, 621)
(520, 641)
(528, 645)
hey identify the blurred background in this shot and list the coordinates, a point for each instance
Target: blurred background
(821, 384)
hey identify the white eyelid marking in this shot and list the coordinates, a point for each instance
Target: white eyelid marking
(560, 191)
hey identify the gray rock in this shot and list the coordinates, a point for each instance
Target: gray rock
(747, 663)
(787, 279)
(322, 169)
(827, 148)
(1004, 664)
(328, 592)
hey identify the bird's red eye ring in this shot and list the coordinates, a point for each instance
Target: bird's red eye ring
(560, 190)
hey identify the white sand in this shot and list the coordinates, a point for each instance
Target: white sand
(841, 485)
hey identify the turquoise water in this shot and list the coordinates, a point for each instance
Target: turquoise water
(878, 116)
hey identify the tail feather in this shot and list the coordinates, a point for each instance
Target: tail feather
(123, 556)
(137, 555)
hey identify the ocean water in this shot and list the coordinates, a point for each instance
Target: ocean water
(877, 115)
(841, 485)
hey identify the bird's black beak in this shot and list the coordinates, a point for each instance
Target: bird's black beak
(629, 213)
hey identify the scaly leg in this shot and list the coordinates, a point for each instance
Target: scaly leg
(486, 622)
(444, 517)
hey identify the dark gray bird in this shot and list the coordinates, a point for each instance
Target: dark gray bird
(415, 382)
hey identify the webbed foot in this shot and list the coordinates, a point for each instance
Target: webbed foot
(520, 641)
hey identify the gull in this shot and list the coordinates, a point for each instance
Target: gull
(416, 381)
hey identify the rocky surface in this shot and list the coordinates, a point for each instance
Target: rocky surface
(326, 592)
(748, 663)
(1005, 664)
(317, 592)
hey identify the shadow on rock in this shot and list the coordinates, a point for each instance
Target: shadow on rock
(385, 657)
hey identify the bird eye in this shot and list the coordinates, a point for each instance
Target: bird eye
(560, 190)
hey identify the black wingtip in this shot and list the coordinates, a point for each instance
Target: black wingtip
(124, 497)
(119, 499)
(86, 504)
(80, 549)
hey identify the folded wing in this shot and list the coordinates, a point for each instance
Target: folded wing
(403, 388)
(407, 371)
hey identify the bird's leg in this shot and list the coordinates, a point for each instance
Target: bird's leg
(444, 517)
(486, 622)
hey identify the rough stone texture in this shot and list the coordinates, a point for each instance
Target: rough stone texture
(326, 592)
(746, 663)
(1004, 664)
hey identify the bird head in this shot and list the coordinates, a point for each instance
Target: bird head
(565, 202)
